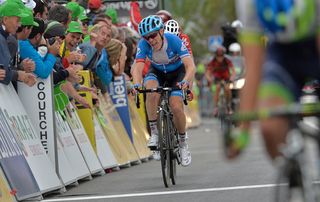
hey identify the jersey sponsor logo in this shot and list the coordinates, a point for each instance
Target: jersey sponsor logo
(183, 47)
(185, 41)
(138, 51)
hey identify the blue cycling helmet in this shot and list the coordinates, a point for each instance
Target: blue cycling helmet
(150, 24)
(278, 15)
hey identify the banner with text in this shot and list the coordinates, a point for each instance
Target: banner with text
(37, 158)
(118, 93)
(12, 152)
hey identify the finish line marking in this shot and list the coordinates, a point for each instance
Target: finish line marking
(162, 193)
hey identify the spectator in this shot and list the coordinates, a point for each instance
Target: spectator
(117, 56)
(61, 14)
(23, 33)
(28, 49)
(95, 8)
(41, 10)
(10, 20)
(97, 57)
(74, 9)
(68, 48)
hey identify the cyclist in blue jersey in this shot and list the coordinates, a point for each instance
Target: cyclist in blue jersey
(172, 64)
(276, 75)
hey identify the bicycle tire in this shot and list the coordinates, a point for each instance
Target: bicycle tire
(293, 184)
(163, 148)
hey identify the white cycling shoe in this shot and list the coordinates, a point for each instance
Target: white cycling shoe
(185, 155)
(156, 155)
(153, 142)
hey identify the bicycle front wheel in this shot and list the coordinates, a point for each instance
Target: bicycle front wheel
(164, 148)
(174, 149)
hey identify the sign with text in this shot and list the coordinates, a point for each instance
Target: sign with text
(118, 93)
(37, 101)
(37, 158)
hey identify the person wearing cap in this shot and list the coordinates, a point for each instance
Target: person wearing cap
(84, 21)
(68, 48)
(28, 49)
(55, 31)
(113, 14)
(23, 33)
(75, 10)
(10, 14)
(95, 8)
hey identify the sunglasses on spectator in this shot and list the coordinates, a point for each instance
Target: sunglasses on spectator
(151, 36)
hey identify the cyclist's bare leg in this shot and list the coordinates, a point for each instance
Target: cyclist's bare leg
(227, 90)
(152, 100)
(179, 118)
(274, 130)
(216, 95)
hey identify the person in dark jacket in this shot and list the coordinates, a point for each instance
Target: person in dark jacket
(10, 19)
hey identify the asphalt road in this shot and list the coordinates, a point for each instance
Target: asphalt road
(210, 177)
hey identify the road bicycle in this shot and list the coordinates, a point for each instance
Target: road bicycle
(294, 180)
(168, 134)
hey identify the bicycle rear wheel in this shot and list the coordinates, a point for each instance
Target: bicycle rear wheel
(164, 148)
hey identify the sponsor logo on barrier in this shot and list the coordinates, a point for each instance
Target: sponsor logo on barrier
(119, 95)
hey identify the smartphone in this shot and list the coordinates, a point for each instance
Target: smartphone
(1, 66)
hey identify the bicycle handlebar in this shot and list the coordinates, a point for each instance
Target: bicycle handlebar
(297, 110)
(159, 90)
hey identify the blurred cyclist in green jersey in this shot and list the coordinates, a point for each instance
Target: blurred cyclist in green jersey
(275, 75)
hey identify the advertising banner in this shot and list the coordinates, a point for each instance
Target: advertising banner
(113, 120)
(37, 158)
(118, 93)
(86, 114)
(104, 152)
(140, 133)
(84, 142)
(6, 194)
(71, 148)
(13, 129)
(37, 101)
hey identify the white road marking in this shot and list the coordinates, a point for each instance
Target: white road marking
(161, 193)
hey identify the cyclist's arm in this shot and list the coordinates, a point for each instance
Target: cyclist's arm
(208, 74)
(190, 68)
(136, 72)
(254, 54)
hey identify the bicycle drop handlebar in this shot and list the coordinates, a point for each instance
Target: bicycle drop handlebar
(159, 90)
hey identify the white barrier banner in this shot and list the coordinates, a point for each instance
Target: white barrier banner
(71, 149)
(104, 152)
(84, 142)
(37, 101)
(39, 162)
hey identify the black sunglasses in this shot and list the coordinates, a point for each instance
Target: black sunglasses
(151, 36)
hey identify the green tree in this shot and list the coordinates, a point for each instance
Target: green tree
(200, 19)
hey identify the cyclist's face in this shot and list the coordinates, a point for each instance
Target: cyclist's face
(155, 39)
